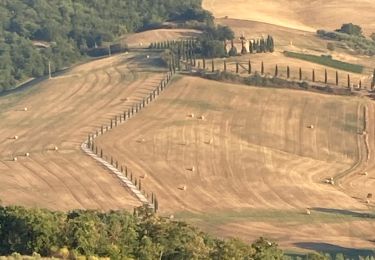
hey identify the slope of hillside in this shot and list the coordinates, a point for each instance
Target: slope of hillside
(303, 15)
(61, 112)
(252, 151)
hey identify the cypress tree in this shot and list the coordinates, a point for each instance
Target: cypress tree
(348, 81)
(325, 76)
(313, 75)
(204, 63)
(300, 74)
(243, 49)
(288, 72)
(276, 70)
(262, 68)
(225, 66)
(213, 66)
(373, 80)
(233, 50)
(251, 47)
(360, 84)
(249, 68)
(237, 67)
(272, 45)
(156, 204)
(337, 78)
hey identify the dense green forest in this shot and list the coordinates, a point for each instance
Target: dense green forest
(34, 32)
(118, 235)
(81, 234)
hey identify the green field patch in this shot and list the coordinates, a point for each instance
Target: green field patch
(326, 61)
(272, 216)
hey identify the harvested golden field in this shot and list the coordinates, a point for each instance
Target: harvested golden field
(302, 15)
(270, 60)
(61, 112)
(229, 157)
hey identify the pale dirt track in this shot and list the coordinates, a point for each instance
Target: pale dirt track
(61, 112)
(262, 155)
(302, 14)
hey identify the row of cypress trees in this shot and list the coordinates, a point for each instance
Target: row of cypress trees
(260, 45)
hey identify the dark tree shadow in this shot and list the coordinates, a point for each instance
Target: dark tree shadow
(346, 212)
(331, 249)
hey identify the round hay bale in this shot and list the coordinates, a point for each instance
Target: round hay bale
(191, 115)
(148, 56)
(308, 212)
(15, 159)
(182, 187)
(311, 126)
(171, 217)
(144, 176)
(365, 173)
(56, 148)
(367, 201)
(27, 154)
(25, 109)
(201, 117)
(15, 137)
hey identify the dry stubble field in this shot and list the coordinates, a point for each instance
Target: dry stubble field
(298, 14)
(256, 163)
(61, 112)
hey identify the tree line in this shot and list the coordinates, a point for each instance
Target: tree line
(34, 32)
(123, 235)
(352, 37)
(118, 235)
(202, 47)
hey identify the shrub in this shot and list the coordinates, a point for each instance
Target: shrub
(330, 46)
